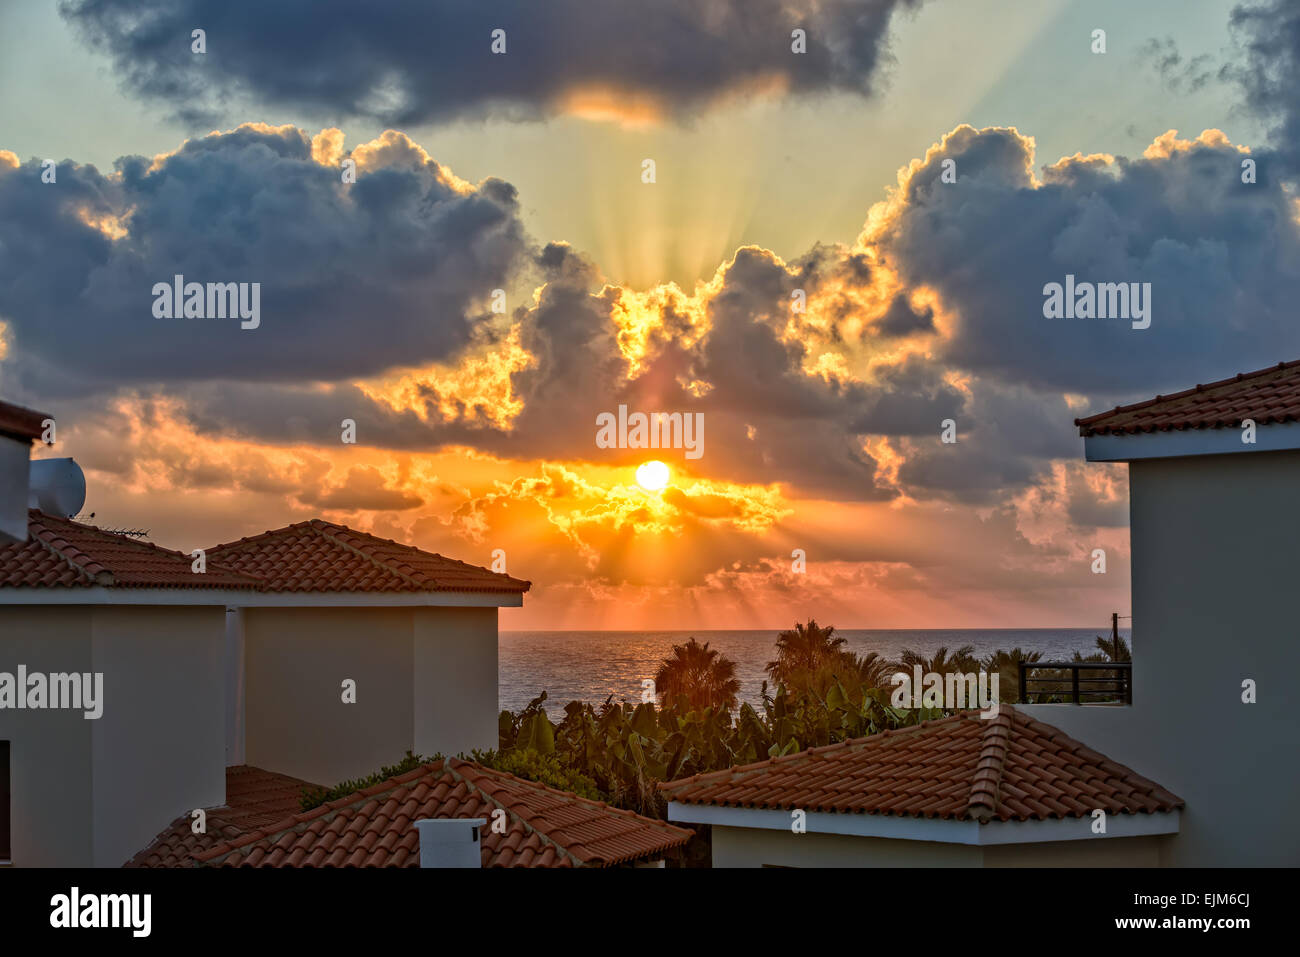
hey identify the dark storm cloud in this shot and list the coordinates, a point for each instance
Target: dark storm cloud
(409, 61)
(1221, 257)
(353, 278)
(900, 319)
(1006, 438)
(1270, 75)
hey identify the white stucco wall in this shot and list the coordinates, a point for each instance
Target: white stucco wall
(455, 680)
(426, 682)
(50, 751)
(295, 660)
(159, 748)
(93, 792)
(754, 847)
(1215, 572)
(1091, 852)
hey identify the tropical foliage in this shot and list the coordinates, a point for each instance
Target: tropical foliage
(315, 797)
(620, 752)
(629, 749)
(542, 768)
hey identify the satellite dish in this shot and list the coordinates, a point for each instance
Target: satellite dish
(56, 487)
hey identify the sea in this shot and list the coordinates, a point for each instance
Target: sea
(592, 665)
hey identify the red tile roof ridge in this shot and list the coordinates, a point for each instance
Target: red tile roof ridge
(403, 571)
(64, 550)
(560, 851)
(986, 783)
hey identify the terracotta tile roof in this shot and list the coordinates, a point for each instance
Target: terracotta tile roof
(315, 556)
(1268, 396)
(375, 827)
(61, 553)
(254, 798)
(20, 423)
(321, 556)
(1008, 768)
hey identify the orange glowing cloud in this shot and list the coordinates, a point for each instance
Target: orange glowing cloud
(477, 388)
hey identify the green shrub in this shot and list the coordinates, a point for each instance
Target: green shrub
(542, 768)
(315, 797)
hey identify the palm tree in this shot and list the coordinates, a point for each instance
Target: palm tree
(869, 670)
(804, 648)
(1114, 649)
(703, 677)
(1007, 665)
(962, 660)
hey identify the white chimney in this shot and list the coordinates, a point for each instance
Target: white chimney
(450, 841)
(19, 427)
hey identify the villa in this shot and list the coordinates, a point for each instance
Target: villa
(1214, 522)
(961, 791)
(313, 650)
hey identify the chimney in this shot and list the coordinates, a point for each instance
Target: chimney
(19, 427)
(450, 842)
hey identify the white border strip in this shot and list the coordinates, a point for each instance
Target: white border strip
(118, 595)
(930, 829)
(1277, 437)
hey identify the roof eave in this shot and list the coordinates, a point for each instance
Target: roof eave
(1181, 443)
(936, 830)
(251, 597)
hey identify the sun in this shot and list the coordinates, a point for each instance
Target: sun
(652, 476)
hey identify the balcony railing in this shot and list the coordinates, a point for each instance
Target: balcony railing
(1076, 682)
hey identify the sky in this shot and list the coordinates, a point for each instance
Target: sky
(839, 251)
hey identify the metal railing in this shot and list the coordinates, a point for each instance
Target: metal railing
(1064, 684)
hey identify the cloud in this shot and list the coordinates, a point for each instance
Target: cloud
(779, 403)
(364, 489)
(1178, 74)
(1270, 74)
(404, 62)
(1220, 256)
(1096, 501)
(401, 261)
(828, 375)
